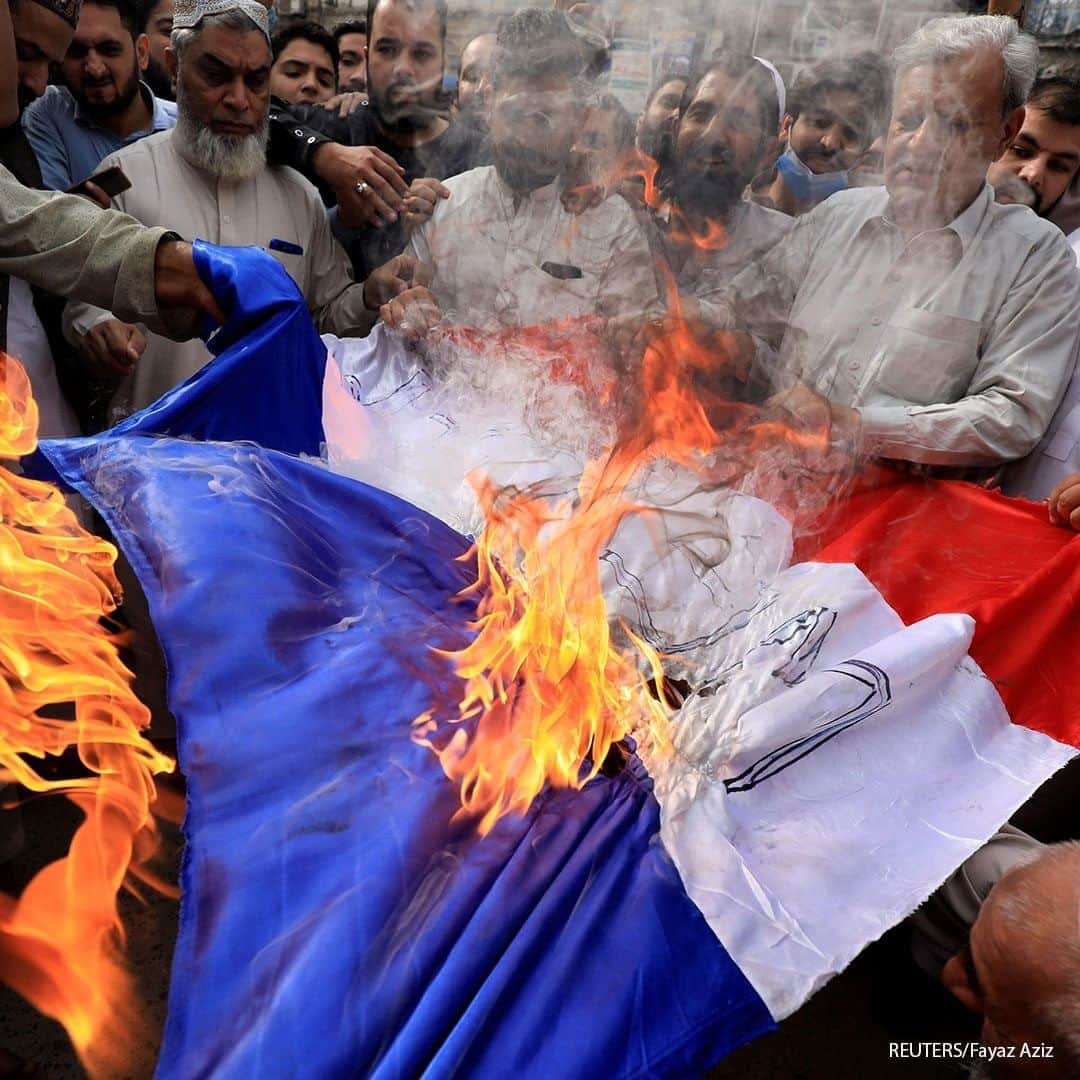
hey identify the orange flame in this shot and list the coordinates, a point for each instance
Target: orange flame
(61, 940)
(547, 692)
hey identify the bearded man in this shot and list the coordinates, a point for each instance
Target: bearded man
(208, 177)
(503, 250)
(103, 104)
(727, 125)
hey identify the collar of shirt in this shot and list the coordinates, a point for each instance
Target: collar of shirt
(965, 226)
(163, 114)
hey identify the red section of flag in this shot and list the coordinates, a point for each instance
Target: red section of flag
(935, 546)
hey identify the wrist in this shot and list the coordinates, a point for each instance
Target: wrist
(367, 295)
(174, 270)
(324, 159)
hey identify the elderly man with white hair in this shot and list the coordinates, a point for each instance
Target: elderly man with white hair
(921, 319)
(1003, 935)
(209, 178)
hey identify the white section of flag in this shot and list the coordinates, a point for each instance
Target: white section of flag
(833, 766)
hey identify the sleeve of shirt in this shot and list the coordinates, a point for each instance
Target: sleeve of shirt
(1026, 363)
(296, 131)
(336, 301)
(759, 298)
(41, 129)
(629, 284)
(68, 246)
(418, 245)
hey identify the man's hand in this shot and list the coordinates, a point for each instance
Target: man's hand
(94, 194)
(424, 195)
(369, 184)
(815, 413)
(717, 353)
(1065, 502)
(393, 278)
(177, 283)
(414, 312)
(346, 104)
(111, 349)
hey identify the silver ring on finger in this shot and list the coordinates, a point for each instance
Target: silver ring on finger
(361, 187)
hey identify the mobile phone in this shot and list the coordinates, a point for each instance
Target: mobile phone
(111, 181)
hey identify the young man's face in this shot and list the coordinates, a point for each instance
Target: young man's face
(595, 150)
(718, 144)
(351, 74)
(41, 39)
(158, 33)
(1045, 155)
(474, 76)
(103, 62)
(303, 73)
(830, 135)
(404, 64)
(533, 124)
(657, 123)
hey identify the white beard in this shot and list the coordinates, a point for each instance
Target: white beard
(229, 157)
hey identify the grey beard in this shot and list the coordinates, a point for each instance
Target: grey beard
(229, 157)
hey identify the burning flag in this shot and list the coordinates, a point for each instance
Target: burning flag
(64, 688)
(856, 722)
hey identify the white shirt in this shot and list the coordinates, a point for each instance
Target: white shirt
(493, 262)
(28, 343)
(1056, 456)
(955, 346)
(1074, 243)
(277, 204)
(749, 231)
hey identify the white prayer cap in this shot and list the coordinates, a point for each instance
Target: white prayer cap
(187, 14)
(777, 78)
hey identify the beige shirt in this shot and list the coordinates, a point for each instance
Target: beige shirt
(277, 204)
(955, 346)
(68, 246)
(494, 263)
(748, 233)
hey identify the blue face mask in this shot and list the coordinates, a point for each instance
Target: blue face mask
(805, 184)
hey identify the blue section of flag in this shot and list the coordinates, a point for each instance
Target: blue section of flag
(336, 919)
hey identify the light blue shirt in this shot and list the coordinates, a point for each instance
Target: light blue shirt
(69, 145)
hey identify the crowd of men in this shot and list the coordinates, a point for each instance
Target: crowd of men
(870, 251)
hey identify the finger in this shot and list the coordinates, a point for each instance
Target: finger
(1068, 501)
(380, 212)
(421, 272)
(92, 354)
(97, 195)
(384, 157)
(418, 203)
(382, 187)
(207, 303)
(1062, 486)
(435, 189)
(383, 167)
(134, 346)
(392, 313)
(356, 212)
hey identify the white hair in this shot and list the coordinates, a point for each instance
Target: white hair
(1026, 909)
(954, 36)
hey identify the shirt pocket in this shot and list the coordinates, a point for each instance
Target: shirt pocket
(927, 358)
